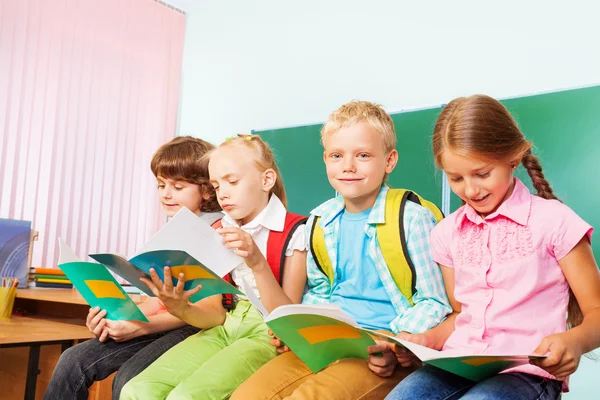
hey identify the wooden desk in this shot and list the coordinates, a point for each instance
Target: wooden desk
(52, 321)
(19, 330)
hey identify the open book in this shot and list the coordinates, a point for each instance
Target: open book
(186, 244)
(98, 287)
(475, 367)
(323, 333)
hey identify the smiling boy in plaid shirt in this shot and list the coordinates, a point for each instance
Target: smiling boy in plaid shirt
(360, 151)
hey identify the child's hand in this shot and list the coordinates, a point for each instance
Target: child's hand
(96, 323)
(243, 245)
(564, 355)
(276, 342)
(382, 360)
(121, 331)
(404, 356)
(175, 298)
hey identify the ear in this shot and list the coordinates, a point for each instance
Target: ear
(205, 193)
(324, 156)
(391, 161)
(268, 179)
(515, 163)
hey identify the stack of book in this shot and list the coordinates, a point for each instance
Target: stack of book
(50, 278)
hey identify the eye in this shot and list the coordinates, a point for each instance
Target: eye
(456, 179)
(216, 187)
(161, 185)
(363, 155)
(233, 183)
(484, 175)
(178, 188)
(335, 156)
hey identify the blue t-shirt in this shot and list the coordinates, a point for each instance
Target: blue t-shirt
(358, 289)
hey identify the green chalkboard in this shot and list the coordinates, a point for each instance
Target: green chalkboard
(299, 155)
(564, 127)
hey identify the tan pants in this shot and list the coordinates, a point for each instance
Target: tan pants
(287, 377)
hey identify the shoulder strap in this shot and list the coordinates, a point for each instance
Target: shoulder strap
(392, 242)
(278, 242)
(392, 239)
(319, 251)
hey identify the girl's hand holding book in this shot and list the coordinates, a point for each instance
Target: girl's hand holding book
(175, 298)
(564, 355)
(243, 245)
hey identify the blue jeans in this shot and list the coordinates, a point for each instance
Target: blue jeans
(81, 365)
(432, 383)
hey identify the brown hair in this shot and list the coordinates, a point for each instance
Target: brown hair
(182, 159)
(263, 157)
(359, 111)
(480, 126)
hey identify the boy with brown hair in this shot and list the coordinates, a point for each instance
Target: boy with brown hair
(131, 346)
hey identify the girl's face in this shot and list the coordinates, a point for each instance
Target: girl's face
(176, 194)
(484, 185)
(242, 190)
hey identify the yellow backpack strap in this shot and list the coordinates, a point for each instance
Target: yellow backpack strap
(319, 250)
(391, 233)
(435, 210)
(390, 236)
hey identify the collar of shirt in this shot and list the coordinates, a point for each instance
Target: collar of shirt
(517, 208)
(329, 210)
(271, 217)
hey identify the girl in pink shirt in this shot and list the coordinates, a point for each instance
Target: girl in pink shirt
(513, 264)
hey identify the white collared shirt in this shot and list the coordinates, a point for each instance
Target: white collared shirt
(271, 218)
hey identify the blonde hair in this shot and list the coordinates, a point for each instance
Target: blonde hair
(480, 126)
(362, 111)
(263, 158)
(183, 159)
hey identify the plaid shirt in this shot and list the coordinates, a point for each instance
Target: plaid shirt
(430, 300)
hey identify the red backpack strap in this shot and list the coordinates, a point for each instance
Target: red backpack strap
(279, 241)
(227, 297)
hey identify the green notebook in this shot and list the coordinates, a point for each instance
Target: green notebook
(323, 333)
(475, 367)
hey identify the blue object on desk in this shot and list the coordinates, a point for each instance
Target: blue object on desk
(15, 237)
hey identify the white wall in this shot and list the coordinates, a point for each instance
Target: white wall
(265, 64)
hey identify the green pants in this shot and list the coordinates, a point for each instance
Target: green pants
(210, 364)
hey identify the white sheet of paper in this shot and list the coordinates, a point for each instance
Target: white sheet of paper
(326, 310)
(252, 298)
(66, 255)
(186, 232)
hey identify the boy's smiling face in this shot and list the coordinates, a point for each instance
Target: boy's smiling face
(357, 163)
(174, 194)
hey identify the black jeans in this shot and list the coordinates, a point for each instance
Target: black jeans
(81, 365)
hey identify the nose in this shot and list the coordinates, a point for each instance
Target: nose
(167, 192)
(348, 164)
(223, 194)
(471, 190)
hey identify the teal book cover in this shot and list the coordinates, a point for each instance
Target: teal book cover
(98, 287)
(195, 273)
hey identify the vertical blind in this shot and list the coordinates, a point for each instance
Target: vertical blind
(89, 90)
